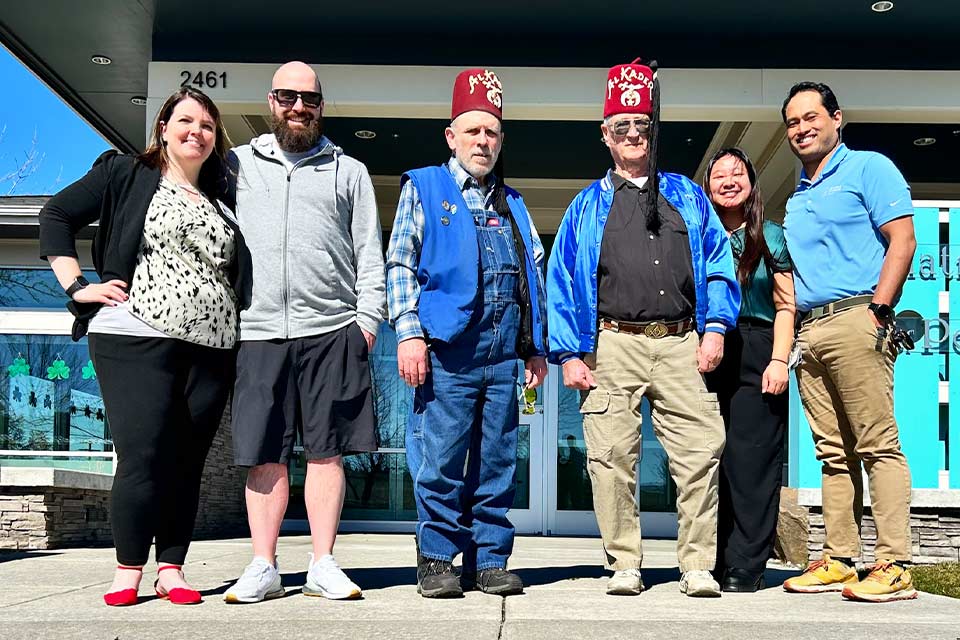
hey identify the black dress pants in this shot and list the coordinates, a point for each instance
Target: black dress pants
(752, 464)
(164, 399)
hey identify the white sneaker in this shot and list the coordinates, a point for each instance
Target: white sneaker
(325, 578)
(699, 584)
(260, 581)
(625, 582)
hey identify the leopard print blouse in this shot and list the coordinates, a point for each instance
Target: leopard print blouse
(181, 284)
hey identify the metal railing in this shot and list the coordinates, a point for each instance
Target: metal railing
(32, 453)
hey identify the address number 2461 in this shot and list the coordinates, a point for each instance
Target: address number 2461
(204, 79)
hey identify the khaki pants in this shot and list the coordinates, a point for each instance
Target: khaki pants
(686, 421)
(846, 385)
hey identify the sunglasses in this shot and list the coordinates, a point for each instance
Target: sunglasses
(622, 127)
(288, 97)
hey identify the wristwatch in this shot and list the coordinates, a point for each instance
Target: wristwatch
(78, 284)
(883, 312)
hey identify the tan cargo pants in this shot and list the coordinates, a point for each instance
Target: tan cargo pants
(846, 386)
(686, 421)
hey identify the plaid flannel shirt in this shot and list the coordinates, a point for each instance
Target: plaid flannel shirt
(406, 240)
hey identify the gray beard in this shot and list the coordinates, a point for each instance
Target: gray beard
(296, 140)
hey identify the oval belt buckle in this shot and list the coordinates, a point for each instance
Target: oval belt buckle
(655, 330)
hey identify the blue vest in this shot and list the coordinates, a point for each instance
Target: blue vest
(449, 267)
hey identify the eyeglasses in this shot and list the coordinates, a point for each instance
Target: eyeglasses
(622, 127)
(288, 97)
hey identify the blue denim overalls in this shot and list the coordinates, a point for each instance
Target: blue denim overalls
(469, 404)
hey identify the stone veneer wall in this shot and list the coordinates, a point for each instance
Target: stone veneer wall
(935, 533)
(51, 516)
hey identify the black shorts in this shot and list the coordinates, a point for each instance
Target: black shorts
(318, 386)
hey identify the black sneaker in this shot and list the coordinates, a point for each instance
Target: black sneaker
(436, 579)
(499, 582)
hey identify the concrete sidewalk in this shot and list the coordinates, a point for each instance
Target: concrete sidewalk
(57, 594)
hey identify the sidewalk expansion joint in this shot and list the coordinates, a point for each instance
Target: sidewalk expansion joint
(503, 617)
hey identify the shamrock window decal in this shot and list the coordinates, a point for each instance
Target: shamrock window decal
(58, 370)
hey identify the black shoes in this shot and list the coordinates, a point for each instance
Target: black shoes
(436, 579)
(743, 581)
(495, 581)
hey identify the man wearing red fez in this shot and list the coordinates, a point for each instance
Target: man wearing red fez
(465, 294)
(641, 289)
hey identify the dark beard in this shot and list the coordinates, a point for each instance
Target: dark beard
(296, 140)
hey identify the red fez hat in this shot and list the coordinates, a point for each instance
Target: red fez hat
(629, 89)
(477, 90)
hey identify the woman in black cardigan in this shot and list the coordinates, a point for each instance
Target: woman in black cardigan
(162, 325)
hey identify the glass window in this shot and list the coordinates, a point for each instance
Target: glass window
(50, 401)
(379, 486)
(37, 288)
(392, 398)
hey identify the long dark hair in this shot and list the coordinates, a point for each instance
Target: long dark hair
(754, 245)
(213, 173)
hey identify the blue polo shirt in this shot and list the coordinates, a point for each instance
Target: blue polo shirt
(833, 225)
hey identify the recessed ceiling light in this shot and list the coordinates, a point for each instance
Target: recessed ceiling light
(924, 142)
(365, 134)
(104, 60)
(140, 101)
(882, 7)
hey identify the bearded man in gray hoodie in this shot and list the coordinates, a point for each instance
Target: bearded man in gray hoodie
(309, 218)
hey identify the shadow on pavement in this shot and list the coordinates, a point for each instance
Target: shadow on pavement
(775, 577)
(385, 577)
(9, 556)
(551, 575)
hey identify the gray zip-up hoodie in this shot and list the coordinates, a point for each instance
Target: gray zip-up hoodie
(314, 239)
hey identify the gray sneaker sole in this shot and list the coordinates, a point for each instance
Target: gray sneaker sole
(442, 591)
(504, 590)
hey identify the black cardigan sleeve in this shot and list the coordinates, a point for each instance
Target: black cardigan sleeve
(76, 206)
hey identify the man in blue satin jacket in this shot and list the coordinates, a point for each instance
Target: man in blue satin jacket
(640, 290)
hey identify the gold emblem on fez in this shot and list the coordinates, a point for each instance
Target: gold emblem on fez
(491, 82)
(655, 330)
(630, 98)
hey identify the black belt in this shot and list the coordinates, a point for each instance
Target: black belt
(835, 307)
(656, 329)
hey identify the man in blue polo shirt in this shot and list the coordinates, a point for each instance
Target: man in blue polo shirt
(849, 228)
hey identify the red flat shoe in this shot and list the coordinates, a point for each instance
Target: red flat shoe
(124, 597)
(177, 595)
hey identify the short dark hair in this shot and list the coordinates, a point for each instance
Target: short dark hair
(827, 97)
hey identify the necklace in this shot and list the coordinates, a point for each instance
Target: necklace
(189, 188)
(186, 186)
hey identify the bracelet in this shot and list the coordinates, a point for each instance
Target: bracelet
(780, 360)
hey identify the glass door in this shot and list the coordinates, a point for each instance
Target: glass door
(569, 495)
(527, 511)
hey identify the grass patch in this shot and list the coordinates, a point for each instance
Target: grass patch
(942, 579)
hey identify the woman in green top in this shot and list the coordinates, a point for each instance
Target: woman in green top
(751, 380)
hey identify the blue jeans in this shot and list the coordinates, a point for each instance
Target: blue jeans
(462, 435)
